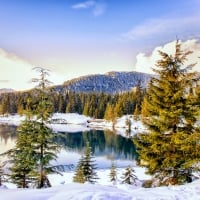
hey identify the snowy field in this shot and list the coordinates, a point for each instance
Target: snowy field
(102, 191)
(64, 189)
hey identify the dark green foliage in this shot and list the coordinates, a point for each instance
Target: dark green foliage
(171, 148)
(139, 93)
(44, 147)
(79, 176)
(129, 176)
(1, 173)
(45, 151)
(90, 104)
(23, 155)
(85, 171)
(34, 146)
(113, 173)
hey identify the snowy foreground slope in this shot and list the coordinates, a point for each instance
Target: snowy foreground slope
(99, 192)
(64, 189)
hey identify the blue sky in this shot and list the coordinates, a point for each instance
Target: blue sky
(74, 38)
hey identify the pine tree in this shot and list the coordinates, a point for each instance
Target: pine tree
(171, 147)
(138, 100)
(113, 173)
(144, 111)
(22, 156)
(43, 144)
(129, 176)
(110, 114)
(86, 167)
(86, 109)
(79, 176)
(1, 173)
(5, 105)
(45, 150)
(34, 146)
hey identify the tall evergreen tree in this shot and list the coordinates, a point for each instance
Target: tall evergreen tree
(1, 173)
(85, 171)
(34, 146)
(79, 176)
(23, 156)
(110, 114)
(44, 146)
(171, 148)
(138, 100)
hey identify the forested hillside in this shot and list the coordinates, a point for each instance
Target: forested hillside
(111, 82)
(101, 96)
(98, 105)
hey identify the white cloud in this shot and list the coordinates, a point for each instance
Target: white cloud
(144, 62)
(97, 8)
(16, 72)
(84, 5)
(162, 26)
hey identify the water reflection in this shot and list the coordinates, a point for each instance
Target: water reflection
(7, 137)
(103, 143)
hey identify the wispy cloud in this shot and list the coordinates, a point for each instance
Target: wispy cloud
(96, 7)
(163, 26)
(84, 5)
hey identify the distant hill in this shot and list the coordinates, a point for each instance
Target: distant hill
(111, 82)
(6, 90)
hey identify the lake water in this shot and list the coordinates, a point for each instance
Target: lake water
(106, 145)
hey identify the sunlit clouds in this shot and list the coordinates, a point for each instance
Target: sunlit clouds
(145, 63)
(16, 73)
(74, 38)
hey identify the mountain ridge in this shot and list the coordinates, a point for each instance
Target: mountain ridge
(110, 82)
(6, 90)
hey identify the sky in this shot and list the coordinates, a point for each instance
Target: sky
(72, 38)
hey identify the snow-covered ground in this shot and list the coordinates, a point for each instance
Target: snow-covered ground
(73, 122)
(64, 189)
(102, 191)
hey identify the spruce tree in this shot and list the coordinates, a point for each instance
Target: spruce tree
(86, 167)
(23, 156)
(34, 146)
(79, 176)
(44, 147)
(129, 176)
(110, 114)
(113, 173)
(138, 100)
(171, 147)
(1, 173)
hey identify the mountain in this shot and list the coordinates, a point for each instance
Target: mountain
(111, 82)
(6, 90)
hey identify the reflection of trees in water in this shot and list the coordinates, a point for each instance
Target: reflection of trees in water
(101, 142)
(7, 132)
(120, 145)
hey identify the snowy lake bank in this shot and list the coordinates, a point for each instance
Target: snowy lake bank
(64, 189)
